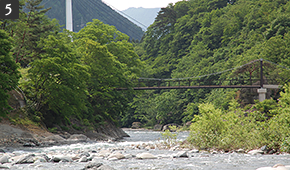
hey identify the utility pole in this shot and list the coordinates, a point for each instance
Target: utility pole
(69, 20)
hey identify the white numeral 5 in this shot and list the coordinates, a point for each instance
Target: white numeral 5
(8, 7)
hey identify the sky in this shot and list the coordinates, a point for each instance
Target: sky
(125, 4)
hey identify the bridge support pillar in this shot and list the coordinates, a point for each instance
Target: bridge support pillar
(262, 94)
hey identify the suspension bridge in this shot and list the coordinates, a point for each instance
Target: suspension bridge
(257, 74)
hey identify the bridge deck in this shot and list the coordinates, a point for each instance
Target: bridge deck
(192, 87)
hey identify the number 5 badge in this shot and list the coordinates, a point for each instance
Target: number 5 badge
(9, 9)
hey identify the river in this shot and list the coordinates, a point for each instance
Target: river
(195, 161)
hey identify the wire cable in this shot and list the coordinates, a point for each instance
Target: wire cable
(109, 12)
(276, 64)
(144, 26)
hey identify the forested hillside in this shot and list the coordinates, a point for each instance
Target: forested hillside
(86, 10)
(200, 37)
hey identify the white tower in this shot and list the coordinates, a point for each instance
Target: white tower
(69, 21)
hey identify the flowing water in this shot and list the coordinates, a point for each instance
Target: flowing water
(195, 161)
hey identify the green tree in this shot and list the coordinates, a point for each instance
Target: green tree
(9, 74)
(28, 30)
(112, 64)
(57, 81)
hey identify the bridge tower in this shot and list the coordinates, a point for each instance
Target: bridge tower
(262, 91)
(69, 20)
(263, 87)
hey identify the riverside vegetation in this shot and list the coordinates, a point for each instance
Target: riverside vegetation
(69, 79)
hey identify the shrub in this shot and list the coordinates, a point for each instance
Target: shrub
(65, 128)
(279, 126)
(52, 130)
(77, 127)
(86, 122)
(207, 127)
(266, 107)
(233, 129)
(169, 137)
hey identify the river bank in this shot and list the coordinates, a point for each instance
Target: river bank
(144, 150)
(35, 136)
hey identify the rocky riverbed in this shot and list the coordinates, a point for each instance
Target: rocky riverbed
(125, 155)
(143, 150)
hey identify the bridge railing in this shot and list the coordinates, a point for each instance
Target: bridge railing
(195, 82)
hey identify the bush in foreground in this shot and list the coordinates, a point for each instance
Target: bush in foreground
(237, 128)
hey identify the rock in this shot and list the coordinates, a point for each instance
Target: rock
(97, 159)
(240, 151)
(276, 167)
(113, 159)
(29, 144)
(181, 154)
(76, 157)
(83, 159)
(105, 167)
(214, 152)
(2, 150)
(44, 156)
(92, 165)
(56, 159)
(78, 138)
(116, 155)
(54, 139)
(104, 153)
(264, 148)
(255, 152)
(136, 125)
(272, 151)
(164, 156)
(158, 127)
(26, 159)
(147, 148)
(204, 152)
(128, 156)
(87, 154)
(145, 156)
(4, 167)
(4, 159)
(174, 148)
(39, 159)
(194, 151)
(90, 158)
(60, 158)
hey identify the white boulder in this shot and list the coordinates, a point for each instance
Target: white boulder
(145, 156)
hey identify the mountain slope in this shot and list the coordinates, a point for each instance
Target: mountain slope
(86, 10)
(145, 16)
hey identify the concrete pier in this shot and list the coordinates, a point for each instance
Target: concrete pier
(262, 94)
